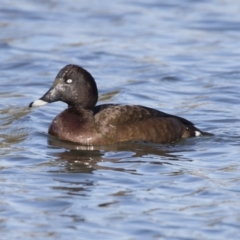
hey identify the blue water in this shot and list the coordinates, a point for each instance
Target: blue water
(181, 57)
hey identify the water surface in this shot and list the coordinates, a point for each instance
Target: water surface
(181, 57)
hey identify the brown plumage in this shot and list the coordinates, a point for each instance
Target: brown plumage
(83, 122)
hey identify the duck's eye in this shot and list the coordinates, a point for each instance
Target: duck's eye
(69, 81)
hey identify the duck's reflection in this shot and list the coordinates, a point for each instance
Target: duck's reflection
(87, 158)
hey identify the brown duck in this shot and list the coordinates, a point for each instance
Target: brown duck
(85, 123)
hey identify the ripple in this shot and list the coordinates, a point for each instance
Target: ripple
(181, 57)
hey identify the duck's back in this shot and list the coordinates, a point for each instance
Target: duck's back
(119, 123)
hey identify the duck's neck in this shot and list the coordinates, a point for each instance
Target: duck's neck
(81, 111)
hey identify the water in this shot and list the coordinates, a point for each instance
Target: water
(181, 57)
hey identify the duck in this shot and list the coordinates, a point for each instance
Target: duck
(86, 123)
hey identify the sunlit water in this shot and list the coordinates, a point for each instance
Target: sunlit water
(182, 57)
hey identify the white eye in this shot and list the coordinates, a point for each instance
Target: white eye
(69, 81)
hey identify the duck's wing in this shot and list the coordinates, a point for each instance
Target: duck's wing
(115, 114)
(123, 114)
(132, 122)
(191, 129)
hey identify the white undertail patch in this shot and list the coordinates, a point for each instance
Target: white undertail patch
(197, 133)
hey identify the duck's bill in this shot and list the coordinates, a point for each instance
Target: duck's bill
(50, 96)
(37, 103)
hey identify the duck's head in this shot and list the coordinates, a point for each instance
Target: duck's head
(72, 85)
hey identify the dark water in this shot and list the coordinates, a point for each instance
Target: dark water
(182, 57)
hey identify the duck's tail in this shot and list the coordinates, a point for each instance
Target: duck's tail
(202, 133)
(192, 131)
(195, 132)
